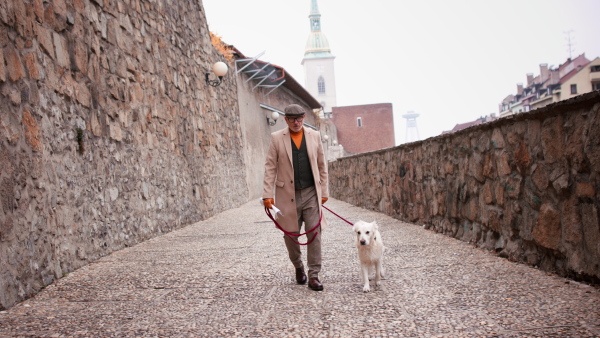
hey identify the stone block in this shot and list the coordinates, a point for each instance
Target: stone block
(14, 97)
(32, 131)
(561, 184)
(498, 139)
(503, 165)
(571, 221)
(15, 68)
(448, 166)
(44, 38)
(487, 193)
(593, 144)
(33, 67)
(575, 142)
(115, 132)
(547, 231)
(552, 139)
(476, 167)
(585, 189)
(539, 177)
(591, 230)
(83, 95)
(499, 194)
(68, 85)
(125, 22)
(488, 166)
(60, 8)
(80, 56)
(513, 186)
(23, 21)
(52, 77)
(2, 68)
(95, 126)
(522, 158)
(62, 51)
(38, 10)
(49, 14)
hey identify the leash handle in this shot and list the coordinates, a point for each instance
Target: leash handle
(290, 234)
(342, 218)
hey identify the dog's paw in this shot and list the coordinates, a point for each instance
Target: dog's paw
(366, 289)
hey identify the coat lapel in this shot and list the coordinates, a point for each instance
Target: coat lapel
(287, 143)
(309, 144)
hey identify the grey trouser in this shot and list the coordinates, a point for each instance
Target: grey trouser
(307, 207)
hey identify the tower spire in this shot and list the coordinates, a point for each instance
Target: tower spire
(317, 44)
(318, 63)
(315, 17)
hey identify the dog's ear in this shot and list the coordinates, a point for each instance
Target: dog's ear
(375, 226)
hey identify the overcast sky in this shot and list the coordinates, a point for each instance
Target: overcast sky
(451, 61)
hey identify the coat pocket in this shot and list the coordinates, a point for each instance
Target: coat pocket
(279, 184)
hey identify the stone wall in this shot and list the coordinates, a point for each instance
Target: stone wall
(108, 133)
(527, 187)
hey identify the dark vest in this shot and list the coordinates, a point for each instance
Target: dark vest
(303, 176)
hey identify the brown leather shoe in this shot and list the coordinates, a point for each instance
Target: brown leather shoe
(314, 284)
(300, 276)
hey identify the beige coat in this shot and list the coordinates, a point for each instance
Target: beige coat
(279, 174)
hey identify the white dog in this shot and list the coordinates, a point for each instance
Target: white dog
(370, 252)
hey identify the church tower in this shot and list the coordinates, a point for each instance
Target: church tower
(318, 63)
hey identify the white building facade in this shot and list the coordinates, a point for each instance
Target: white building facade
(319, 75)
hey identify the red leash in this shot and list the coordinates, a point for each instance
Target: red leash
(342, 218)
(290, 234)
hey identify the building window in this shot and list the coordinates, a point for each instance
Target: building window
(596, 86)
(321, 85)
(574, 89)
(359, 121)
(595, 68)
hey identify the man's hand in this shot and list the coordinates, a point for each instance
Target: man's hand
(269, 203)
(323, 200)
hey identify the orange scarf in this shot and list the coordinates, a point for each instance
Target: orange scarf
(297, 137)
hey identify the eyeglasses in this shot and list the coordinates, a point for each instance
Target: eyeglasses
(295, 119)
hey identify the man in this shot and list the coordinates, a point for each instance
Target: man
(296, 180)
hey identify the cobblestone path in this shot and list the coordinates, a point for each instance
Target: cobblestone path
(230, 276)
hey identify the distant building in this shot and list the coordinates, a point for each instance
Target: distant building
(572, 78)
(319, 77)
(345, 130)
(466, 125)
(364, 128)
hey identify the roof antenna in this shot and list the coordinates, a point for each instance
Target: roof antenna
(570, 43)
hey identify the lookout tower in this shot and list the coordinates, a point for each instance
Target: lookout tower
(412, 133)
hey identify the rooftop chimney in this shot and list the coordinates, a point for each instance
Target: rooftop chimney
(519, 89)
(544, 73)
(554, 76)
(529, 79)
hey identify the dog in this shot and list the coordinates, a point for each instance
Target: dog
(370, 252)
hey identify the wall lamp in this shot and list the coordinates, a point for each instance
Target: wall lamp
(273, 119)
(220, 69)
(325, 138)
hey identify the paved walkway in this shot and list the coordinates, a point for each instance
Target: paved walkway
(230, 276)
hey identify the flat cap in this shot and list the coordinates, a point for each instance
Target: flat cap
(294, 110)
